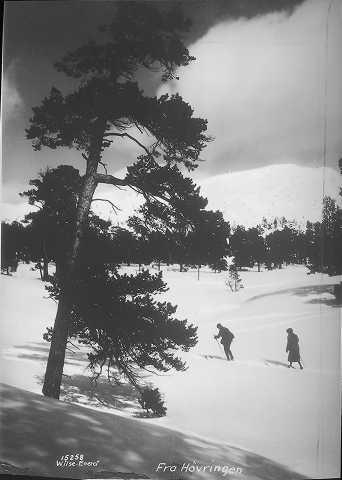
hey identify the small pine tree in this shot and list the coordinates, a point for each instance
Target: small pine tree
(233, 280)
(150, 399)
(219, 265)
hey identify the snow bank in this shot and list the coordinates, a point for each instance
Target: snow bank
(37, 432)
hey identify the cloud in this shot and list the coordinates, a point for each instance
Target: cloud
(12, 102)
(260, 84)
(13, 207)
(11, 212)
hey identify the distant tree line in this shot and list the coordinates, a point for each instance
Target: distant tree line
(282, 242)
(271, 244)
(193, 237)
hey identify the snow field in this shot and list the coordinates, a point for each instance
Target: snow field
(256, 402)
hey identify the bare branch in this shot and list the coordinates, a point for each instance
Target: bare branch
(102, 178)
(138, 127)
(104, 167)
(96, 375)
(114, 207)
(130, 137)
(135, 189)
(78, 348)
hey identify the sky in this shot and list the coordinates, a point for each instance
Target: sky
(259, 78)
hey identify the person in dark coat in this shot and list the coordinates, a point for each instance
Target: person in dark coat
(292, 348)
(226, 340)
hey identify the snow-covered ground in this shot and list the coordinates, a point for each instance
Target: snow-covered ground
(218, 412)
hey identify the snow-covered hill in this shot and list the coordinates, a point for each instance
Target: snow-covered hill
(277, 190)
(244, 197)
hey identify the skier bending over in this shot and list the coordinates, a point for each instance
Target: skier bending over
(293, 348)
(226, 340)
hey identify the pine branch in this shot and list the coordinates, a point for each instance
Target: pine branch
(111, 180)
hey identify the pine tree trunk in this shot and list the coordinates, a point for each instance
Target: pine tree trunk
(45, 263)
(40, 271)
(60, 268)
(45, 270)
(55, 364)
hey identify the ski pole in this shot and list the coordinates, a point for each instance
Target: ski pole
(220, 346)
(300, 356)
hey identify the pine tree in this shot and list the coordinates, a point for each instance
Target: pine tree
(324, 240)
(105, 105)
(13, 246)
(150, 399)
(171, 223)
(256, 246)
(118, 317)
(208, 239)
(233, 280)
(55, 194)
(240, 248)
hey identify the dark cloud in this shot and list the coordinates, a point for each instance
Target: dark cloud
(207, 13)
(47, 28)
(37, 33)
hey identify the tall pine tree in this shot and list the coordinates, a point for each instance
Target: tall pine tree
(103, 108)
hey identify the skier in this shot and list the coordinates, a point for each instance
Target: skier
(226, 340)
(292, 348)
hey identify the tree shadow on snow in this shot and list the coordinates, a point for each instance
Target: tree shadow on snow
(216, 357)
(330, 302)
(39, 351)
(82, 390)
(34, 347)
(275, 362)
(37, 431)
(324, 293)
